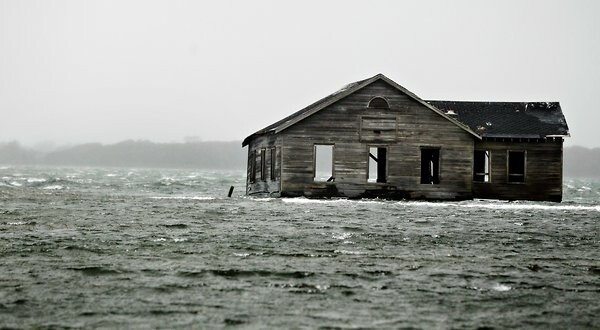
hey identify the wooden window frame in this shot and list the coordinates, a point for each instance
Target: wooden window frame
(332, 178)
(387, 158)
(489, 167)
(263, 164)
(509, 175)
(252, 162)
(273, 164)
(378, 98)
(361, 129)
(438, 174)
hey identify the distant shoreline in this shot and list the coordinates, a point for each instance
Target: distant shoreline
(578, 161)
(131, 153)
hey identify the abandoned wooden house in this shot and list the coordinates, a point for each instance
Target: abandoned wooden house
(374, 138)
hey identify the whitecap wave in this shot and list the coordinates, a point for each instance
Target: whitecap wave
(199, 198)
(301, 200)
(54, 187)
(341, 236)
(477, 205)
(505, 206)
(263, 199)
(501, 287)
(348, 252)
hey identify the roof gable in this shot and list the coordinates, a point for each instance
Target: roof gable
(342, 93)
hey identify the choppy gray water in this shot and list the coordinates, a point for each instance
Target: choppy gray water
(165, 248)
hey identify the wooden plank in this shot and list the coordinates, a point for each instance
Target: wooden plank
(415, 125)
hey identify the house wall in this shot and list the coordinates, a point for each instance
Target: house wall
(341, 124)
(265, 186)
(543, 171)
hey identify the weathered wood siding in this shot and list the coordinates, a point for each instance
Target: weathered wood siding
(350, 126)
(543, 171)
(265, 186)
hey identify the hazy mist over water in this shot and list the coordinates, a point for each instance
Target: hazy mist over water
(106, 71)
(142, 248)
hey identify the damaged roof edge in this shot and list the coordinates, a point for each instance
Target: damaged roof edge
(509, 119)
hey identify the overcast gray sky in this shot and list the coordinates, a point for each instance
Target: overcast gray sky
(105, 71)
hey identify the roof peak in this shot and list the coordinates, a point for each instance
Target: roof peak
(341, 93)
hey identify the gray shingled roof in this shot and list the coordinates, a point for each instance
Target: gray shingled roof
(509, 119)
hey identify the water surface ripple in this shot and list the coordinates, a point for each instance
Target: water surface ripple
(85, 247)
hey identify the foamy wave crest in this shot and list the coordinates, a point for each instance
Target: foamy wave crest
(501, 287)
(348, 252)
(314, 201)
(36, 180)
(341, 236)
(5, 184)
(54, 187)
(199, 198)
(371, 201)
(507, 206)
(263, 199)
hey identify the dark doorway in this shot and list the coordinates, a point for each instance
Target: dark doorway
(430, 166)
(377, 164)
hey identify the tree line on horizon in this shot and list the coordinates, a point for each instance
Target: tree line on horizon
(578, 161)
(130, 153)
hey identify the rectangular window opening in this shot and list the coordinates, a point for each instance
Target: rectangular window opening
(252, 162)
(430, 166)
(273, 162)
(377, 164)
(516, 166)
(323, 163)
(481, 166)
(263, 163)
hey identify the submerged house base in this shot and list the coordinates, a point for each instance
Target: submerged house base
(375, 139)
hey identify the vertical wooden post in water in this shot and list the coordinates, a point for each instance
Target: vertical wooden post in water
(230, 191)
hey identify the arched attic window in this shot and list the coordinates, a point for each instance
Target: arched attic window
(379, 103)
